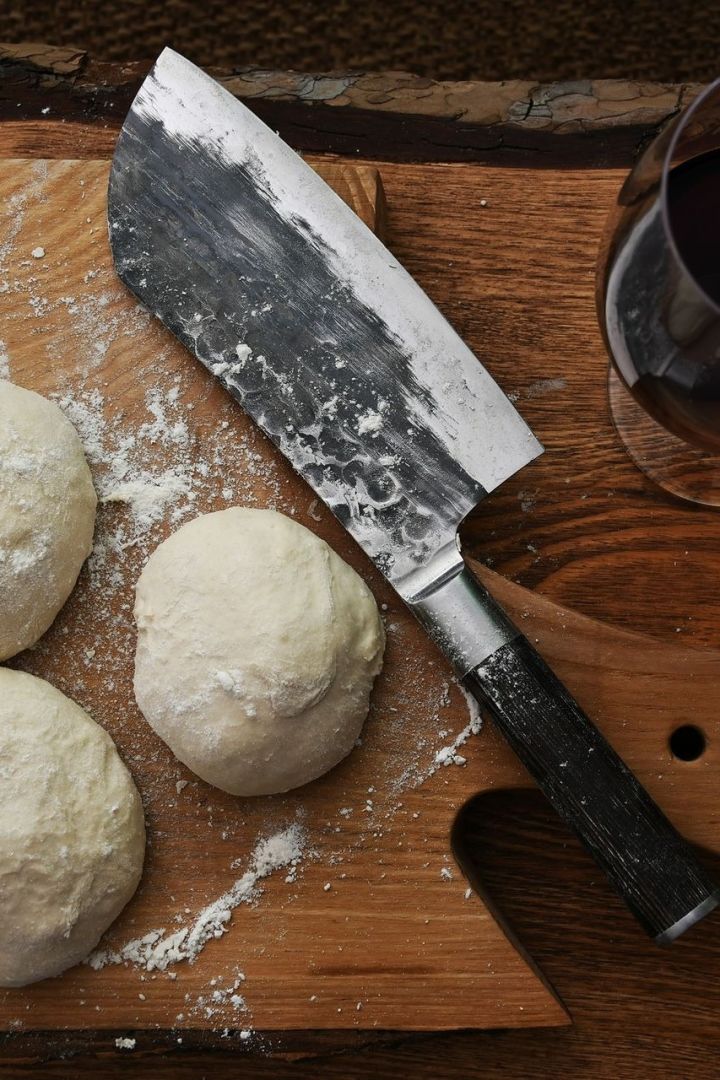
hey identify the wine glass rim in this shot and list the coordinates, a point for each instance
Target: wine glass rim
(682, 121)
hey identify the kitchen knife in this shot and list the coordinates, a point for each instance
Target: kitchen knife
(310, 323)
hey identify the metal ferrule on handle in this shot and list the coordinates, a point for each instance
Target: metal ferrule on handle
(460, 615)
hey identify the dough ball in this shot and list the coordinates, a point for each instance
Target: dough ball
(257, 650)
(72, 836)
(47, 515)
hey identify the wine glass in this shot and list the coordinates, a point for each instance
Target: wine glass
(658, 296)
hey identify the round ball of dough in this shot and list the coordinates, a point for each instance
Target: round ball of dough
(257, 650)
(72, 836)
(47, 515)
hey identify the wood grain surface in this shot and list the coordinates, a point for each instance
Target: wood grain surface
(326, 951)
(515, 276)
(636, 1011)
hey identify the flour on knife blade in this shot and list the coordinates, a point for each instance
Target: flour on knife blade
(279, 289)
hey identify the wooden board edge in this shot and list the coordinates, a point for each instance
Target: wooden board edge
(31, 1047)
(386, 115)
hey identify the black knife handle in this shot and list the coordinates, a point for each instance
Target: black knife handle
(647, 861)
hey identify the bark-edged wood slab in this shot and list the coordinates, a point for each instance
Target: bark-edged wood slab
(392, 115)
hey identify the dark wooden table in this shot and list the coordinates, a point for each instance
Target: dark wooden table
(583, 527)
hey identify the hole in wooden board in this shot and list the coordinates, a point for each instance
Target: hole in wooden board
(687, 743)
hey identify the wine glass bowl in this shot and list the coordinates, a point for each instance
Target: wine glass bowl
(658, 296)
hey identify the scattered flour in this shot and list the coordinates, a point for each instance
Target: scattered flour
(15, 208)
(527, 501)
(371, 422)
(97, 320)
(151, 473)
(4, 362)
(428, 758)
(149, 498)
(545, 386)
(473, 709)
(159, 949)
(219, 999)
(125, 470)
(123, 475)
(164, 428)
(227, 368)
(126, 1044)
(448, 755)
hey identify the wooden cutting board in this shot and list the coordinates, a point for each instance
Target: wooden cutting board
(375, 927)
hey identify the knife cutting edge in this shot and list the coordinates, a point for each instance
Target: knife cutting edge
(277, 287)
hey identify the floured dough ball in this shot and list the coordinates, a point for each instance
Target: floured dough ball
(257, 650)
(47, 515)
(72, 836)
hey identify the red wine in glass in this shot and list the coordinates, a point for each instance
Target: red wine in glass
(693, 198)
(659, 305)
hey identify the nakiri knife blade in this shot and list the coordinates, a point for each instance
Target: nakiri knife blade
(313, 326)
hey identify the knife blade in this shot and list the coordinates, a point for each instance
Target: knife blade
(256, 265)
